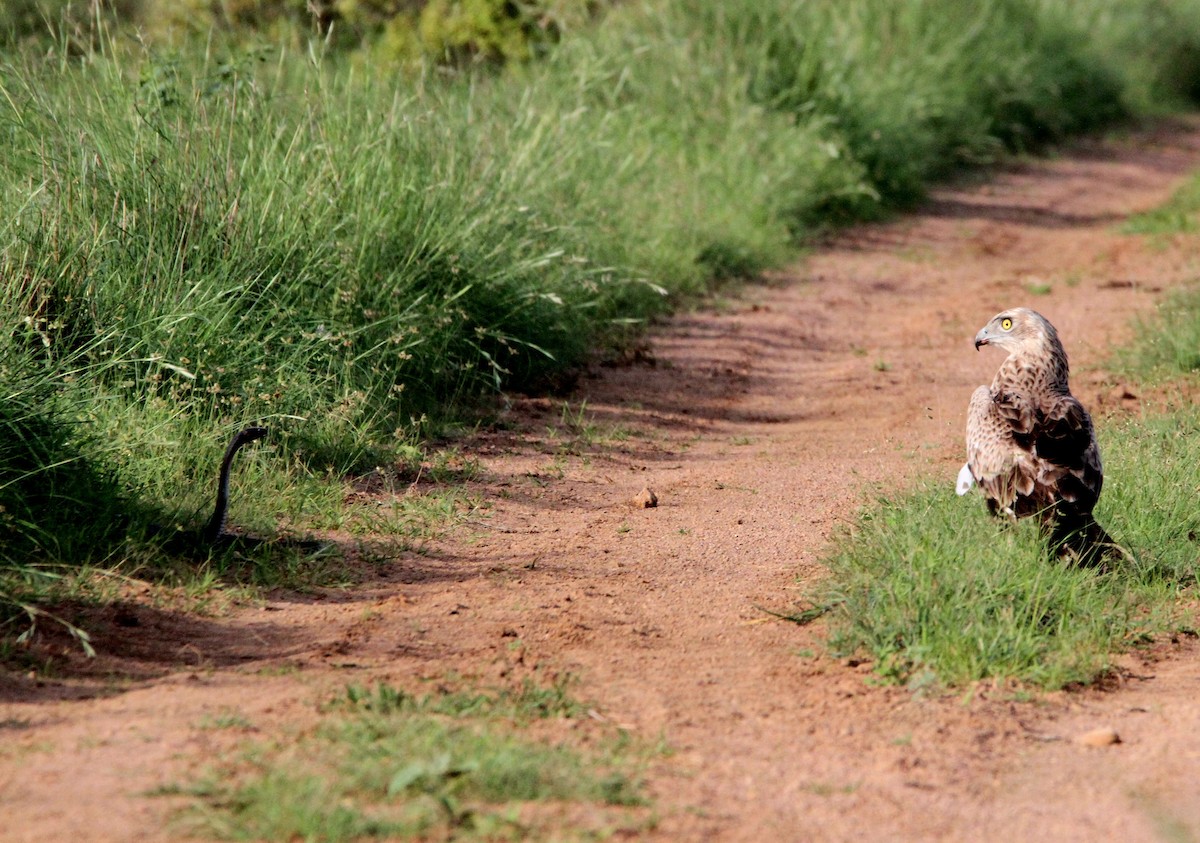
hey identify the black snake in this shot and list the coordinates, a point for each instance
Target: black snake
(214, 530)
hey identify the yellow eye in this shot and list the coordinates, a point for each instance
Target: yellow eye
(1006, 323)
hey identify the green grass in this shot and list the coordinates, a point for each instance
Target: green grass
(933, 589)
(1175, 216)
(454, 764)
(1167, 345)
(199, 236)
(927, 587)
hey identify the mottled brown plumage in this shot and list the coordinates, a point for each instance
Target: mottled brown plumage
(1030, 444)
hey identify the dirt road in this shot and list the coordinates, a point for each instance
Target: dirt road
(760, 426)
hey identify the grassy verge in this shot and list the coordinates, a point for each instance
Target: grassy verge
(384, 764)
(936, 591)
(1175, 216)
(1168, 344)
(205, 236)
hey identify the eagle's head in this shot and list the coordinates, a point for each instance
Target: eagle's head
(1017, 328)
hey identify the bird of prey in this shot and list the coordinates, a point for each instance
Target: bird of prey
(1030, 443)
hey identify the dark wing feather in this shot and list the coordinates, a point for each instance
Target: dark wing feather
(1066, 445)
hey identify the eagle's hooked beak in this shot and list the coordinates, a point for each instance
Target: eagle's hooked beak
(981, 339)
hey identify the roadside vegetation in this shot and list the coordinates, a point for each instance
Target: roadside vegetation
(1168, 345)
(454, 765)
(301, 223)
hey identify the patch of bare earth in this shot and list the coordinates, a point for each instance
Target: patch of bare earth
(760, 428)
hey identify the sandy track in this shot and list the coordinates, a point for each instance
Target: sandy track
(760, 427)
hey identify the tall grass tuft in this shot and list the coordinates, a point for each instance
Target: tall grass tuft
(932, 588)
(50, 474)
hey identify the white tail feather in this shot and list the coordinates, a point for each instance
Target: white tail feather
(965, 480)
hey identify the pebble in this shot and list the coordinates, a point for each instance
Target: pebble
(646, 499)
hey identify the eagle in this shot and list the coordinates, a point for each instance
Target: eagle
(1031, 446)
